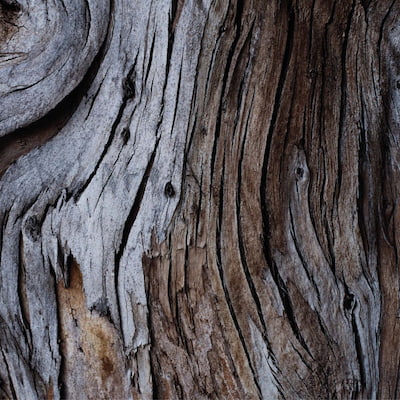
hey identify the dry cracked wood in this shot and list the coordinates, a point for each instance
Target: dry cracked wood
(199, 199)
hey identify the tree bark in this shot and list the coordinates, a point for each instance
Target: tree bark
(199, 199)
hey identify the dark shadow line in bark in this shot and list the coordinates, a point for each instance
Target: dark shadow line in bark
(343, 104)
(359, 351)
(303, 261)
(21, 288)
(222, 106)
(222, 277)
(131, 218)
(243, 259)
(10, 382)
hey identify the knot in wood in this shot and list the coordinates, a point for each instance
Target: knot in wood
(299, 172)
(169, 190)
(348, 301)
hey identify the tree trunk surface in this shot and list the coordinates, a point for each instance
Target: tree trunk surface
(199, 199)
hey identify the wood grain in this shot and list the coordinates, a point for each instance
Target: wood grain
(198, 199)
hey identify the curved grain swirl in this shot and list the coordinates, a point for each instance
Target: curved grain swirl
(44, 53)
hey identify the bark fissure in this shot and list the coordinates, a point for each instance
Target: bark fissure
(225, 78)
(343, 101)
(131, 217)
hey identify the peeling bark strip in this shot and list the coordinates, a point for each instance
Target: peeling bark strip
(199, 199)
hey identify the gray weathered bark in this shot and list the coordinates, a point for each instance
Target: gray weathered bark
(199, 199)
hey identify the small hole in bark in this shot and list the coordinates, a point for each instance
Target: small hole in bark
(300, 172)
(169, 190)
(398, 84)
(348, 301)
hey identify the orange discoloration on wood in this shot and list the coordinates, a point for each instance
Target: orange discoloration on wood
(50, 392)
(93, 361)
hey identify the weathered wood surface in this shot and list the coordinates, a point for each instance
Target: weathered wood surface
(199, 199)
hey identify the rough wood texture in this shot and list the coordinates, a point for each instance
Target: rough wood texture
(204, 204)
